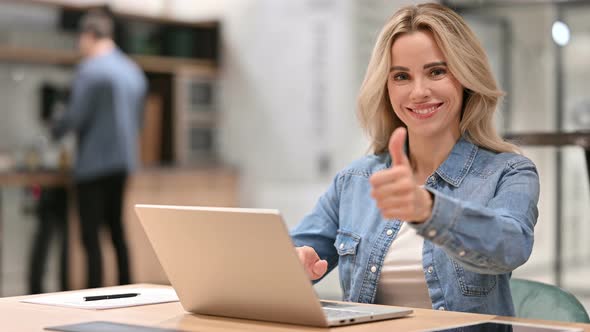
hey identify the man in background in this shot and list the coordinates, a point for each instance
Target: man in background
(105, 111)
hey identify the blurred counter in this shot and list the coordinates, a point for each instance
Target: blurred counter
(59, 178)
(26, 178)
(206, 186)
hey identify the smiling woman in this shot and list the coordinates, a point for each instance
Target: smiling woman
(443, 210)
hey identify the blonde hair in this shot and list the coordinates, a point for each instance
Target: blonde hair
(466, 60)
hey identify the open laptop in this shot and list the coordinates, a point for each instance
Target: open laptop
(241, 263)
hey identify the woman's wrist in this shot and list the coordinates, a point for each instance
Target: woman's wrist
(426, 201)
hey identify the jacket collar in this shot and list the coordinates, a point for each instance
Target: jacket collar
(454, 169)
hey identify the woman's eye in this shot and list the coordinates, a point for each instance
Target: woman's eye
(400, 77)
(436, 72)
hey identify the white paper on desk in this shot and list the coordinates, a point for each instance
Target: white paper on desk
(76, 299)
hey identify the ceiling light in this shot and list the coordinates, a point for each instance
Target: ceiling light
(560, 33)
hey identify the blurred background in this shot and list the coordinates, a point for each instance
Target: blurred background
(251, 103)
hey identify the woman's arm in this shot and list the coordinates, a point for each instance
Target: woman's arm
(319, 228)
(494, 238)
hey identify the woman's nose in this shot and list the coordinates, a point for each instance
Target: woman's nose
(420, 90)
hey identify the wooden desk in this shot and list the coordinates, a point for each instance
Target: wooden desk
(17, 316)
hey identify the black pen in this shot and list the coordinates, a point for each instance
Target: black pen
(108, 297)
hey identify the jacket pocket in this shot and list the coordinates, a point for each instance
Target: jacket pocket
(472, 283)
(346, 245)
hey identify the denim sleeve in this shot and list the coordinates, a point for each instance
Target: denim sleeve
(319, 228)
(79, 107)
(492, 239)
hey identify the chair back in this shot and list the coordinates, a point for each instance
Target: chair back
(537, 300)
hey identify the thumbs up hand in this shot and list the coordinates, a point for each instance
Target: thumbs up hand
(396, 148)
(397, 194)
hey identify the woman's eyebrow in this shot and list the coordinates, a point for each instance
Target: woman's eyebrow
(434, 64)
(426, 66)
(400, 68)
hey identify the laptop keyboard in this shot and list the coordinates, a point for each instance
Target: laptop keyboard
(342, 313)
(335, 305)
(338, 310)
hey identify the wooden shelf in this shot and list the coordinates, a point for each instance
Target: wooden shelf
(154, 64)
(41, 56)
(158, 64)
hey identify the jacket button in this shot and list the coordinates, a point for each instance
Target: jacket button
(389, 232)
(430, 269)
(462, 253)
(432, 233)
(373, 269)
(441, 308)
(341, 245)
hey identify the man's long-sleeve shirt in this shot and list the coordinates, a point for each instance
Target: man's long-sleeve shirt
(105, 112)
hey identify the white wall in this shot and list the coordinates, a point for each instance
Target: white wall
(287, 100)
(291, 73)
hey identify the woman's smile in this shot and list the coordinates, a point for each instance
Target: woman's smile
(424, 111)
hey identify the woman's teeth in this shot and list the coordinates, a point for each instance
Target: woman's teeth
(425, 110)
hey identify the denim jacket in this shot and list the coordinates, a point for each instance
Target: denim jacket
(480, 230)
